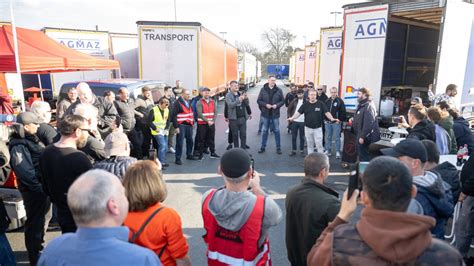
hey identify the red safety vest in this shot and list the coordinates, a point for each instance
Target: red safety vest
(225, 247)
(186, 115)
(207, 111)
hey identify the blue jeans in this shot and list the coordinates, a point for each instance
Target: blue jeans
(185, 132)
(7, 257)
(162, 143)
(274, 125)
(333, 133)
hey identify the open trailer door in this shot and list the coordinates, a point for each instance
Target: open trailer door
(365, 30)
(456, 51)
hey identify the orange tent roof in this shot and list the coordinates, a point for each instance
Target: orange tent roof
(41, 54)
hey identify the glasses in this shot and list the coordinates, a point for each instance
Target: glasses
(320, 89)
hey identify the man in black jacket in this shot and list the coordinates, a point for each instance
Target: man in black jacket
(337, 108)
(107, 112)
(25, 149)
(465, 225)
(418, 125)
(270, 100)
(126, 110)
(310, 207)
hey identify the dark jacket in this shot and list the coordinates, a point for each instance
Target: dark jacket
(292, 107)
(142, 108)
(436, 199)
(382, 238)
(463, 134)
(450, 174)
(116, 165)
(365, 124)
(423, 130)
(126, 111)
(310, 206)
(264, 99)
(47, 134)
(337, 108)
(248, 110)
(467, 177)
(290, 96)
(25, 151)
(94, 149)
(232, 102)
(107, 113)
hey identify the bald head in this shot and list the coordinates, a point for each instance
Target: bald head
(97, 198)
(84, 92)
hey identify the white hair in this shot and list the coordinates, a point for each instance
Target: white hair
(43, 110)
(236, 180)
(86, 110)
(88, 196)
(83, 87)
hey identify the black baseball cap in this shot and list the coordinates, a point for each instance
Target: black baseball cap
(412, 148)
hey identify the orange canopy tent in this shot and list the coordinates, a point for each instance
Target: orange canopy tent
(39, 54)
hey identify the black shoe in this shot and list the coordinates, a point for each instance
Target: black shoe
(193, 158)
(247, 147)
(262, 150)
(178, 162)
(215, 156)
(229, 147)
(206, 151)
(279, 151)
(165, 165)
(293, 153)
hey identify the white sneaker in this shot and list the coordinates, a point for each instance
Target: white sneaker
(338, 155)
(227, 131)
(327, 153)
(172, 150)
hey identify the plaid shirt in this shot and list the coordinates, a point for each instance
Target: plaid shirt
(444, 97)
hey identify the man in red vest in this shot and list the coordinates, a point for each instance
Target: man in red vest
(206, 130)
(183, 121)
(237, 217)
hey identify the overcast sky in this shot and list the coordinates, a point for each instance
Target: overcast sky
(243, 20)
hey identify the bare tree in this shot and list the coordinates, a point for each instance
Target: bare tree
(247, 47)
(278, 41)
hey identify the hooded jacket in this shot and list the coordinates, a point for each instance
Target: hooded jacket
(423, 130)
(467, 177)
(382, 238)
(365, 123)
(270, 96)
(463, 133)
(450, 174)
(447, 124)
(436, 198)
(116, 165)
(232, 210)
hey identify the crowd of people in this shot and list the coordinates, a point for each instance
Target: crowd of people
(90, 177)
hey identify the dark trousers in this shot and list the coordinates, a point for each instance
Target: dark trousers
(230, 138)
(206, 135)
(297, 127)
(146, 139)
(135, 147)
(37, 207)
(185, 132)
(238, 129)
(363, 151)
(65, 220)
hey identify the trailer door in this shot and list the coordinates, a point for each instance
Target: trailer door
(363, 52)
(456, 51)
(330, 57)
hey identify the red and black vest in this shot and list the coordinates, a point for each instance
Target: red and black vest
(207, 111)
(225, 247)
(186, 114)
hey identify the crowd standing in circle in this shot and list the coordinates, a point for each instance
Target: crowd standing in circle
(109, 201)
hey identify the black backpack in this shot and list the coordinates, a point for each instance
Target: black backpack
(4, 219)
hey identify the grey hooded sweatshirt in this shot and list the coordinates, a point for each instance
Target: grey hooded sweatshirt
(232, 210)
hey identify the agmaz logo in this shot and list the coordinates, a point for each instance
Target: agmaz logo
(334, 43)
(371, 28)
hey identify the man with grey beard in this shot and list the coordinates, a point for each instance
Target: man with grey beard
(62, 163)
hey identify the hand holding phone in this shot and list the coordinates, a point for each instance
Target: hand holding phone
(353, 183)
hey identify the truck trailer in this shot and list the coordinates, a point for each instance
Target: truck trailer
(311, 59)
(185, 51)
(399, 49)
(124, 48)
(247, 69)
(281, 71)
(299, 68)
(330, 48)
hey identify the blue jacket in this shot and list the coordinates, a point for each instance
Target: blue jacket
(463, 134)
(436, 198)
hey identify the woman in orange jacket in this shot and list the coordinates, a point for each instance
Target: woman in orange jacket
(152, 224)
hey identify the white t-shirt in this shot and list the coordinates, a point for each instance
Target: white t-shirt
(301, 117)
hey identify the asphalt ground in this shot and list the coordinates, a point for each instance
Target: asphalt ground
(187, 183)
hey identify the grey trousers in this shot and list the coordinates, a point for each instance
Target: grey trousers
(465, 226)
(238, 128)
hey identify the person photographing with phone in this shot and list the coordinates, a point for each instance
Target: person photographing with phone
(233, 213)
(314, 112)
(385, 234)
